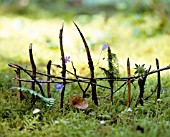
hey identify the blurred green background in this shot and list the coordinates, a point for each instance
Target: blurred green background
(70, 8)
(133, 28)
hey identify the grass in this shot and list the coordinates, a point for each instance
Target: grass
(17, 118)
(133, 36)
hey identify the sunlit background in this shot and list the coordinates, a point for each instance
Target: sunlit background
(132, 28)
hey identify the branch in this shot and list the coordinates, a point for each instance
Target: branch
(19, 84)
(129, 84)
(91, 67)
(132, 78)
(84, 91)
(63, 64)
(159, 80)
(33, 70)
(34, 80)
(48, 78)
(151, 93)
(120, 87)
(73, 80)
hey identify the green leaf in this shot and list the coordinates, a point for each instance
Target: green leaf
(48, 101)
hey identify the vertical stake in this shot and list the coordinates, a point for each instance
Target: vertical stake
(159, 79)
(91, 67)
(63, 64)
(48, 78)
(19, 93)
(33, 70)
(129, 84)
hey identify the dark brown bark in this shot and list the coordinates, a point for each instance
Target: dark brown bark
(19, 93)
(159, 80)
(33, 71)
(141, 83)
(48, 79)
(75, 74)
(63, 65)
(91, 67)
(129, 84)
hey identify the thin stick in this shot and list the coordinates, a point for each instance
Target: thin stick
(91, 66)
(19, 93)
(33, 70)
(73, 80)
(48, 78)
(33, 79)
(63, 64)
(159, 80)
(129, 84)
(120, 87)
(151, 93)
(84, 91)
(98, 79)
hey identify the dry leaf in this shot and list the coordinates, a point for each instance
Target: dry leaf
(79, 102)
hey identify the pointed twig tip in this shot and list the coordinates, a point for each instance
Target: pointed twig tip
(74, 23)
(30, 46)
(62, 24)
(128, 60)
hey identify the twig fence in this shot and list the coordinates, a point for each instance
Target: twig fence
(91, 82)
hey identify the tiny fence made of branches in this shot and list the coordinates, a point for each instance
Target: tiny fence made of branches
(91, 82)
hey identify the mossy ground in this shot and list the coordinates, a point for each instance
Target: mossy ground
(134, 36)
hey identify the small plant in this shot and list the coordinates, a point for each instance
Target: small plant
(140, 70)
(113, 69)
(142, 73)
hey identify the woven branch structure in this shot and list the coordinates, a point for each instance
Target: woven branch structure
(92, 81)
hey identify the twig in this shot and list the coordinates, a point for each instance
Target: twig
(159, 80)
(135, 77)
(72, 73)
(33, 79)
(19, 84)
(151, 93)
(91, 67)
(129, 84)
(58, 77)
(33, 71)
(48, 78)
(132, 78)
(63, 64)
(84, 91)
(158, 70)
(73, 80)
(52, 76)
(120, 87)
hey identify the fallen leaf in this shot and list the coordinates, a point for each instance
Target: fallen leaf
(79, 102)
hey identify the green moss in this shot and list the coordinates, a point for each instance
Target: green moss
(17, 118)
